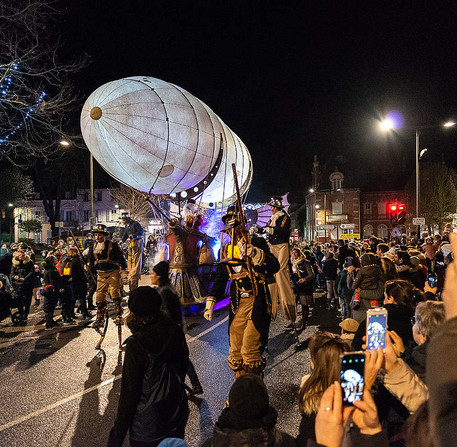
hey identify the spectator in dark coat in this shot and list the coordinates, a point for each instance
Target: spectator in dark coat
(51, 278)
(172, 307)
(79, 281)
(344, 251)
(21, 277)
(153, 402)
(330, 270)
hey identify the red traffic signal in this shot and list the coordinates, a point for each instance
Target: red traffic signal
(392, 208)
(401, 208)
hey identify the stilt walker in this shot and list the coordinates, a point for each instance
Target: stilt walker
(108, 260)
(133, 234)
(278, 230)
(247, 263)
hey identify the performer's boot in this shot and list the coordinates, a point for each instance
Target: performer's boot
(118, 311)
(101, 307)
(236, 366)
(256, 367)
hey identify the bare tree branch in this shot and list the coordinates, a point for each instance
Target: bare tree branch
(36, 92)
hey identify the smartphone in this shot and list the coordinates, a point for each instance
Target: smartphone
(376, 328)
(352, 376)
(432, 280)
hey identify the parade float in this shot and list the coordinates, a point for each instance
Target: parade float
(161, 140)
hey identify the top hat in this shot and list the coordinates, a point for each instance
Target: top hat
(100, 228)
(276, 202)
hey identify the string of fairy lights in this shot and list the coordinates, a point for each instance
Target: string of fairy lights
(5, 87)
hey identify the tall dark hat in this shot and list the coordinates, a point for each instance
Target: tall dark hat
(100, 228)
(276, 202)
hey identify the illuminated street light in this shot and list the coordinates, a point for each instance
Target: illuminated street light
(387, 124)
(116, 206)
(311, 190)
(10, 205)
(64, 143)
(423, 151)
(317, 207)
(390, 124)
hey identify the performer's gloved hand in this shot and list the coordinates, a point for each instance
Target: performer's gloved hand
(269, 230)
(256, 254)
(210, 302)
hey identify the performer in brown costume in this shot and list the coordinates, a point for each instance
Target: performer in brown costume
(247, 265)
(108, 259)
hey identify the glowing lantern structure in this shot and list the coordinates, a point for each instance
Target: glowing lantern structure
(158, 138)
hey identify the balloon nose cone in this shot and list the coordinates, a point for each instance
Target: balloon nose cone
(96, 113)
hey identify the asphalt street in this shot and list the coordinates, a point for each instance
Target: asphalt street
(57, 390)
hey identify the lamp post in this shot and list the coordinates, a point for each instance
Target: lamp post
(389, 124)
(11, 205)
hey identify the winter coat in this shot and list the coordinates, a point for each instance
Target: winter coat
(343, 290)
(302, 269)
(398, 320)
(170, 302)
(442, 382)
(344, 252)
(418, 277)
(417, 359)
(78, 275)
(368, 278)
(330, 269)
(5, 263)
(153, 401)
(25, 270)
(406, 386)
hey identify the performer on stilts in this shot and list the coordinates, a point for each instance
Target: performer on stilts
(278, 230)
(108, 260)
(133, 234)
(247, 264)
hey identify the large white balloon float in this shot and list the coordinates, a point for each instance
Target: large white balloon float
(158, 138)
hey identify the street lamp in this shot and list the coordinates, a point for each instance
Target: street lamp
(11, 205)
(64, 143)
(389, 124)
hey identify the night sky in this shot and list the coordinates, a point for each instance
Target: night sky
(292, 79)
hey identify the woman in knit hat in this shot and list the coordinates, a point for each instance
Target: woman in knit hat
(248, 420)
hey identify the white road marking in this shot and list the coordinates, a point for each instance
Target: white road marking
(89, 390)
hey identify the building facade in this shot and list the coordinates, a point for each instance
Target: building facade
(75, 213)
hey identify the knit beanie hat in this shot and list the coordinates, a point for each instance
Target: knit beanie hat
(248, 397)
(161, 269)
(144, 301)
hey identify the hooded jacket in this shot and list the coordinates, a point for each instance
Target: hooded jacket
(153, 402)
(369, 275)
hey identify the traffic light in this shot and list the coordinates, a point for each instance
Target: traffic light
(396, 213)
(401, 216)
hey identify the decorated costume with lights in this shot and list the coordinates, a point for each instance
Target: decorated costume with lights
(250, 303)
(133, 232)
(278, 230)
(108, 259)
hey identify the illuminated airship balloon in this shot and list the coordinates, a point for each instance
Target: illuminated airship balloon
(158, 138)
